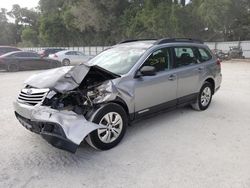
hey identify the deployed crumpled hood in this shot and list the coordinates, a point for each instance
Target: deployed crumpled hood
(64, 78)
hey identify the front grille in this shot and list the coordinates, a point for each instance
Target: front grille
(32, 96)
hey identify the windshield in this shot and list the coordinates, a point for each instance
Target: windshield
(118, 60)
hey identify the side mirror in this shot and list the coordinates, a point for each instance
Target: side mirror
(146, 71)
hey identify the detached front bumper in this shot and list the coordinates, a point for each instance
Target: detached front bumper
(63, 129)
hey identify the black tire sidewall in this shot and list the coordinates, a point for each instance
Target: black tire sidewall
(100, 113)
(206, 84)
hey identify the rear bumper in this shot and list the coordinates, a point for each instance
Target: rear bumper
(63, 129)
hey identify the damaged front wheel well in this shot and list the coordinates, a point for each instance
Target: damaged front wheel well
(120, 102)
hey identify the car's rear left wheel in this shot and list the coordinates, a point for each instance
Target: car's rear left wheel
(115, 120)
(204, 98)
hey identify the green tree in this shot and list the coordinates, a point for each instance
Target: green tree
(7, 30)
(29, 36)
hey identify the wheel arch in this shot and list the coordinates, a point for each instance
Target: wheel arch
(212, 82)
(122, 103)
(66, 59)
(117, 101)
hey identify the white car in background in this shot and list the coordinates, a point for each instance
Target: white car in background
(70, 57)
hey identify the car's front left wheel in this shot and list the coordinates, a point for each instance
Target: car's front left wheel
(115, 120)
(13, 68)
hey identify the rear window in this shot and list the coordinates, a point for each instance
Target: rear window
(71, 53)
(204, 55)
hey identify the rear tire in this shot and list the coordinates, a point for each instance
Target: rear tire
(115, 119)
(13, 68)
(204, 98)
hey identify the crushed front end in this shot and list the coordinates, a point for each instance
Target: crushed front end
(60, 112)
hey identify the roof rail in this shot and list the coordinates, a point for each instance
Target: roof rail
(134, 40)
(174, 40)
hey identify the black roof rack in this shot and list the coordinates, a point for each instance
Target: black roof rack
(134, 40)
(173, 40)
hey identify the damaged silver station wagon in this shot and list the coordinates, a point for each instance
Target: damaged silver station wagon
(96, 101)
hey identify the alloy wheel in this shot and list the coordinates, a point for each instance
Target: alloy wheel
(114, 124)
(206, 96)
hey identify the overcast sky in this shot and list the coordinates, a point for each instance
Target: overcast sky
(23, 3)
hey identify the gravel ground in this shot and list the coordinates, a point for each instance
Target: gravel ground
(182, 148)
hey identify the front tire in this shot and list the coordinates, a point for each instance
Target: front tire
(115, 119)
(204, 98)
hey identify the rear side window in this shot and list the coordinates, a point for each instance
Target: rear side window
(184, 56)
(70, 53)
(204, 55)
(22, 54)
(32, 55)
(79, 53)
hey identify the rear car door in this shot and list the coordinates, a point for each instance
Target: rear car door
(188, 69)
(153, 93)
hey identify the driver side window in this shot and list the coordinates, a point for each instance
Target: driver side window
(160, 59)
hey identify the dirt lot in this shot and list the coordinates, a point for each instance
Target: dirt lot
(182, 148)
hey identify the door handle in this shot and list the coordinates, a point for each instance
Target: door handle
(200, 69)
(172, 77)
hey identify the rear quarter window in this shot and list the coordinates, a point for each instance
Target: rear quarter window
(204, 55)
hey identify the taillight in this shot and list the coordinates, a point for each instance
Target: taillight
(218, 62)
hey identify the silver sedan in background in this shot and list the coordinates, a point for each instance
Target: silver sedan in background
(70, 57)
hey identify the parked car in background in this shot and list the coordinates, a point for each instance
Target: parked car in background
(20, 60)
(69, 57)
(7, 49)
(46, 52)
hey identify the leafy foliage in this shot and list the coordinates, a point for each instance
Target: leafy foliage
(105, 22)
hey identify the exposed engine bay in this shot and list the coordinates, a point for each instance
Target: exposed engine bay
(59, 103)
(94, 89)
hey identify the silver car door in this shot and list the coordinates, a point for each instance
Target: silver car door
(188, 68)
(159, 90)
